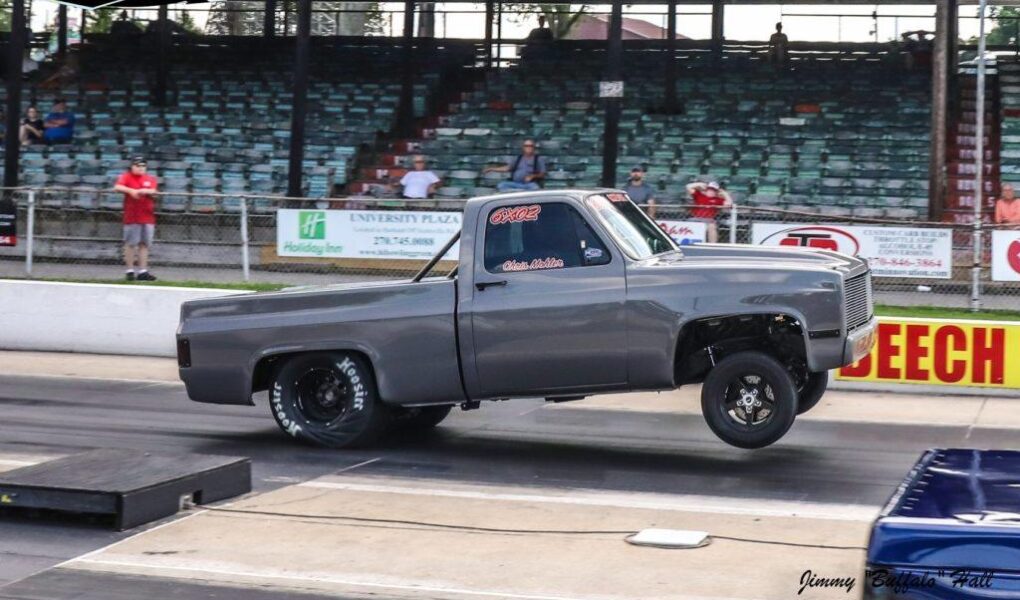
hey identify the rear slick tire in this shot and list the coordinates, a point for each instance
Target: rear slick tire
(327, 399)
(749, 400)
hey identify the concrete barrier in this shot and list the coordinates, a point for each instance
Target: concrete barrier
(98, 318)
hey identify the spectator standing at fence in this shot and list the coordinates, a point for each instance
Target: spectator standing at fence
(778, 48)
(59, 124)
(640, 192)
(527, 170)
(708, 199)
(419, 182)
(32, 127)
(1007, 208)
(139, 218)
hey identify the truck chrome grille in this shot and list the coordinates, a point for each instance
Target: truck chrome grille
(858, 303)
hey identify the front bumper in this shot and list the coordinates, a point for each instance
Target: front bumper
(860, 341)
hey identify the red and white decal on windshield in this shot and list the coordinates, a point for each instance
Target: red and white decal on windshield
(515, 214)
(617, 197)
(534, 265)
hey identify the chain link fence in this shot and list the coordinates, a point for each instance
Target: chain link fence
(76, 234)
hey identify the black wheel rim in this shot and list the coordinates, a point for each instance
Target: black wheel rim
(749, 402)
(322, 396)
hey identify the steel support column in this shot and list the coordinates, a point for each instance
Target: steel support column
(614, 60)
(162, 55)
(269, 19)
(939, 95)
(302, 51)
(405, 109)
(15, 54)
(718, 29)
(490, 14)
(671, 57)
(62, 29)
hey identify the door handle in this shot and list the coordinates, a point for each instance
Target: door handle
(481, 285)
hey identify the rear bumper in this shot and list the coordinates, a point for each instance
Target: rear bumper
(217, 385)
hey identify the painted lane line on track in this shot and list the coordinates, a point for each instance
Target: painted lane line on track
(359, 465)
(85, 556)
(679, 503)
(198, 569)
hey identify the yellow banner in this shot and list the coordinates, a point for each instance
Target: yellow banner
(941, 351)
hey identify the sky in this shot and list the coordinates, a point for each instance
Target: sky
(756, 22)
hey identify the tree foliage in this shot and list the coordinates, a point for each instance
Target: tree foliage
(100, 20)
(1007, 21)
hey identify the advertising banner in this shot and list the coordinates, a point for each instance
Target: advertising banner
(364, 233)
(890, 251)
(8, 221)
(1005, 255)
(683, 232)
(942, 352)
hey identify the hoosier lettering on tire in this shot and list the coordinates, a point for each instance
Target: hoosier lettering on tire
(327, 399)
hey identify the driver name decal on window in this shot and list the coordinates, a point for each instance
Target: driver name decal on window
(515, 214)
(535, 264)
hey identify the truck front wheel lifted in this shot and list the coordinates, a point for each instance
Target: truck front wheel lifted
(812, 390)
(328, 399)
(749, 400)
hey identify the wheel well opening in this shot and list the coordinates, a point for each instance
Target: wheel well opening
(704, 342)
(263, 372)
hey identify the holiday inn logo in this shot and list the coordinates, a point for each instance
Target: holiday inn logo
(312, 225)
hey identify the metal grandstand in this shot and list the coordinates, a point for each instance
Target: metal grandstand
(944, 78)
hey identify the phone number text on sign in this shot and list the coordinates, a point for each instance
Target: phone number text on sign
(890, 251)
(364, 233)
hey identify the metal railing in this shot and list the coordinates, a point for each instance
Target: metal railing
(75, 233)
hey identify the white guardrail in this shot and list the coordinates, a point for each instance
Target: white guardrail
(106, 319)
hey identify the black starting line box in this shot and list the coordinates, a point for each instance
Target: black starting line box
(130, 487)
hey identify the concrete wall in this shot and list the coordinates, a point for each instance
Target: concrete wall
(86, 317)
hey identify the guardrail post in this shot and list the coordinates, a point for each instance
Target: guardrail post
(733, 223)
(245, 262)
(30, 235)
(979, 160)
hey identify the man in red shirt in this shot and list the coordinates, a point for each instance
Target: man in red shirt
(708, 198)
(139, 218)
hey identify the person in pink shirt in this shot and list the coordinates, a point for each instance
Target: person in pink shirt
(1007, 208)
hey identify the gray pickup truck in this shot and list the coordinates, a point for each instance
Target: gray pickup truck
(556, 294)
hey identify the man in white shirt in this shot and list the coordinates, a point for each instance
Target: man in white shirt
(419, 183)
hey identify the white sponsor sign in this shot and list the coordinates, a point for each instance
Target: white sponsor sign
(1005, 255)
(610, 89)
(683, 232)
(364, 233)
(890, 251)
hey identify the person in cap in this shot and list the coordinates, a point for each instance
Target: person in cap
(138, 188)
(527, 170)
(708, 198)
(639, 191)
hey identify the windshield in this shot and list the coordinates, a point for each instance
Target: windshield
(638, 236)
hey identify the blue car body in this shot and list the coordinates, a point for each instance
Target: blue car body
(951, 530)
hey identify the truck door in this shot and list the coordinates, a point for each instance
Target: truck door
(547, 305)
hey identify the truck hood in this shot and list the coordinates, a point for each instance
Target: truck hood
(741, 256)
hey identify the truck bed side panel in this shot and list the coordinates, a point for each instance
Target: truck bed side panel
(405, 329)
